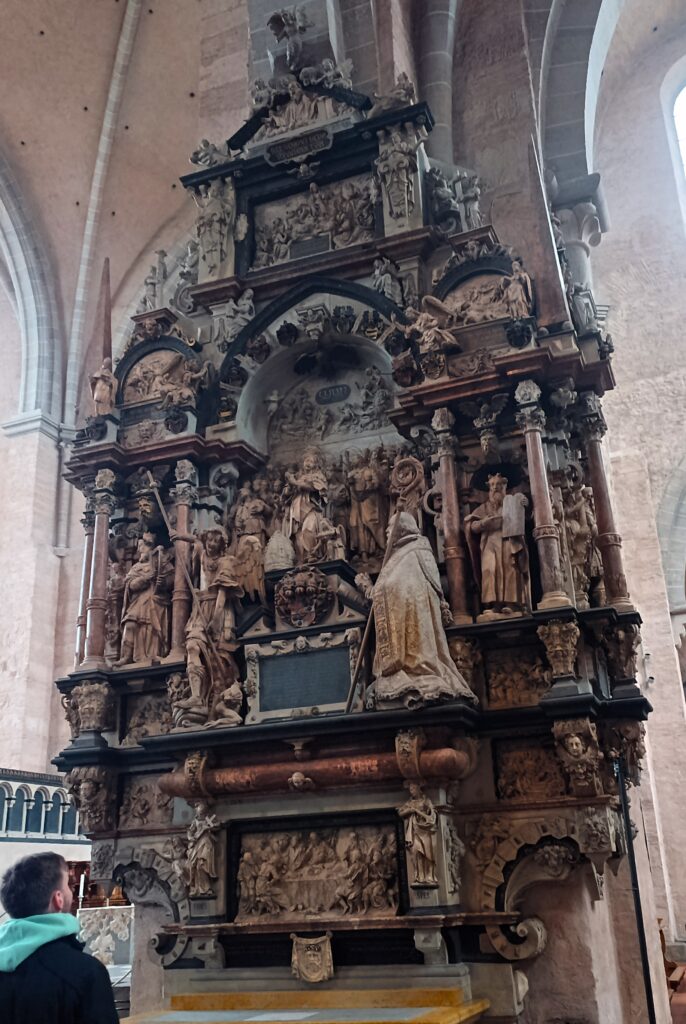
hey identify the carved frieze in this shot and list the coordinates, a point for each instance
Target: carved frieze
(331, 217)
(516, 678)
(528, 772)
(143, 804)
(296, 875)
(165, 376)
(147, 715)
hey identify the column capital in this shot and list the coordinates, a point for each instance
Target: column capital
(590, 418)
(530, 415)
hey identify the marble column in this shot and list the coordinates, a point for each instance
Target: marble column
(531, 419)
(96, 605)
(184, 494)
(593, 428)
(454, 552)
(88, 522)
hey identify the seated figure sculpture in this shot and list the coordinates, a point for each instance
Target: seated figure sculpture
(412, 665)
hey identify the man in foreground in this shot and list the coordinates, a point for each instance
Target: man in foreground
(45, 977)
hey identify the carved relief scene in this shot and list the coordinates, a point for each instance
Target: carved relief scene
(299, 876)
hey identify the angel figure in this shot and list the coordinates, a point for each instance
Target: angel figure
(433, 327)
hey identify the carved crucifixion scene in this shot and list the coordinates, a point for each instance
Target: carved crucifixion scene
(356, 689)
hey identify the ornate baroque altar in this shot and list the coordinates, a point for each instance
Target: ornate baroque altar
(355, 656)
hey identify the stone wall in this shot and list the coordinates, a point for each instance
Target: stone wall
(638, 272)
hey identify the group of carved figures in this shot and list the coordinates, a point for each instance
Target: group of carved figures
(317, 873)
(344, 212)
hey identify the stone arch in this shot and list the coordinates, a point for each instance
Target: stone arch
(572, 53)
(301, 291)
(673, 84)
(29, 274)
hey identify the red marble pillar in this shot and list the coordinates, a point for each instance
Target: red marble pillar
(593, 428)
(96, 605)
(531, 419)
(454, 552)
(88, 522)
(185, 495)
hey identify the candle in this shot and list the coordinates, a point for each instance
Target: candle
(82, 882)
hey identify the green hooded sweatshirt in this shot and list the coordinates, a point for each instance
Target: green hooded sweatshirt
(22, 936)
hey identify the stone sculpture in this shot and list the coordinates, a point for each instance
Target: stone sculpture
(401, 95)
(343, 212)
(216, 215)
(498, 297)
(412, 665)
(368, 482)
(396, 167)
(210, 632)
(496, 535)
(305, 493)
(202, 852)
(208, 155)
(290, 875)
(421, 825)
(103, 388)
(248, 520)
(311, 959)
(145, 610)
(289, 24)
(93, 792)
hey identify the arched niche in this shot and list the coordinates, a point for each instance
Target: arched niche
(35, 817)
(324, 382)
(16, 819)
(53, 817)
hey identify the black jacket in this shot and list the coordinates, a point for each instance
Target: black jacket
(58, 984)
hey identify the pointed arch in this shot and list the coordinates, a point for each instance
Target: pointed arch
(33, 294)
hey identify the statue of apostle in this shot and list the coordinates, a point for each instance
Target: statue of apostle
(496, 536)
(210, 631)
(412, 665)
(147, 596)
(306, 493)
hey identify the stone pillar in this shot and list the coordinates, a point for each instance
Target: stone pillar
(88, 522)
(455, 564)
(436, 72)
(580, 207)
(609, 542)
(531, 419)
(185, 494)
(96, 606)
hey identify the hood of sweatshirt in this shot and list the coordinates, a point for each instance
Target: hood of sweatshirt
(22, 936)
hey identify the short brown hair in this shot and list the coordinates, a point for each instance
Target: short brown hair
(27, 886)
